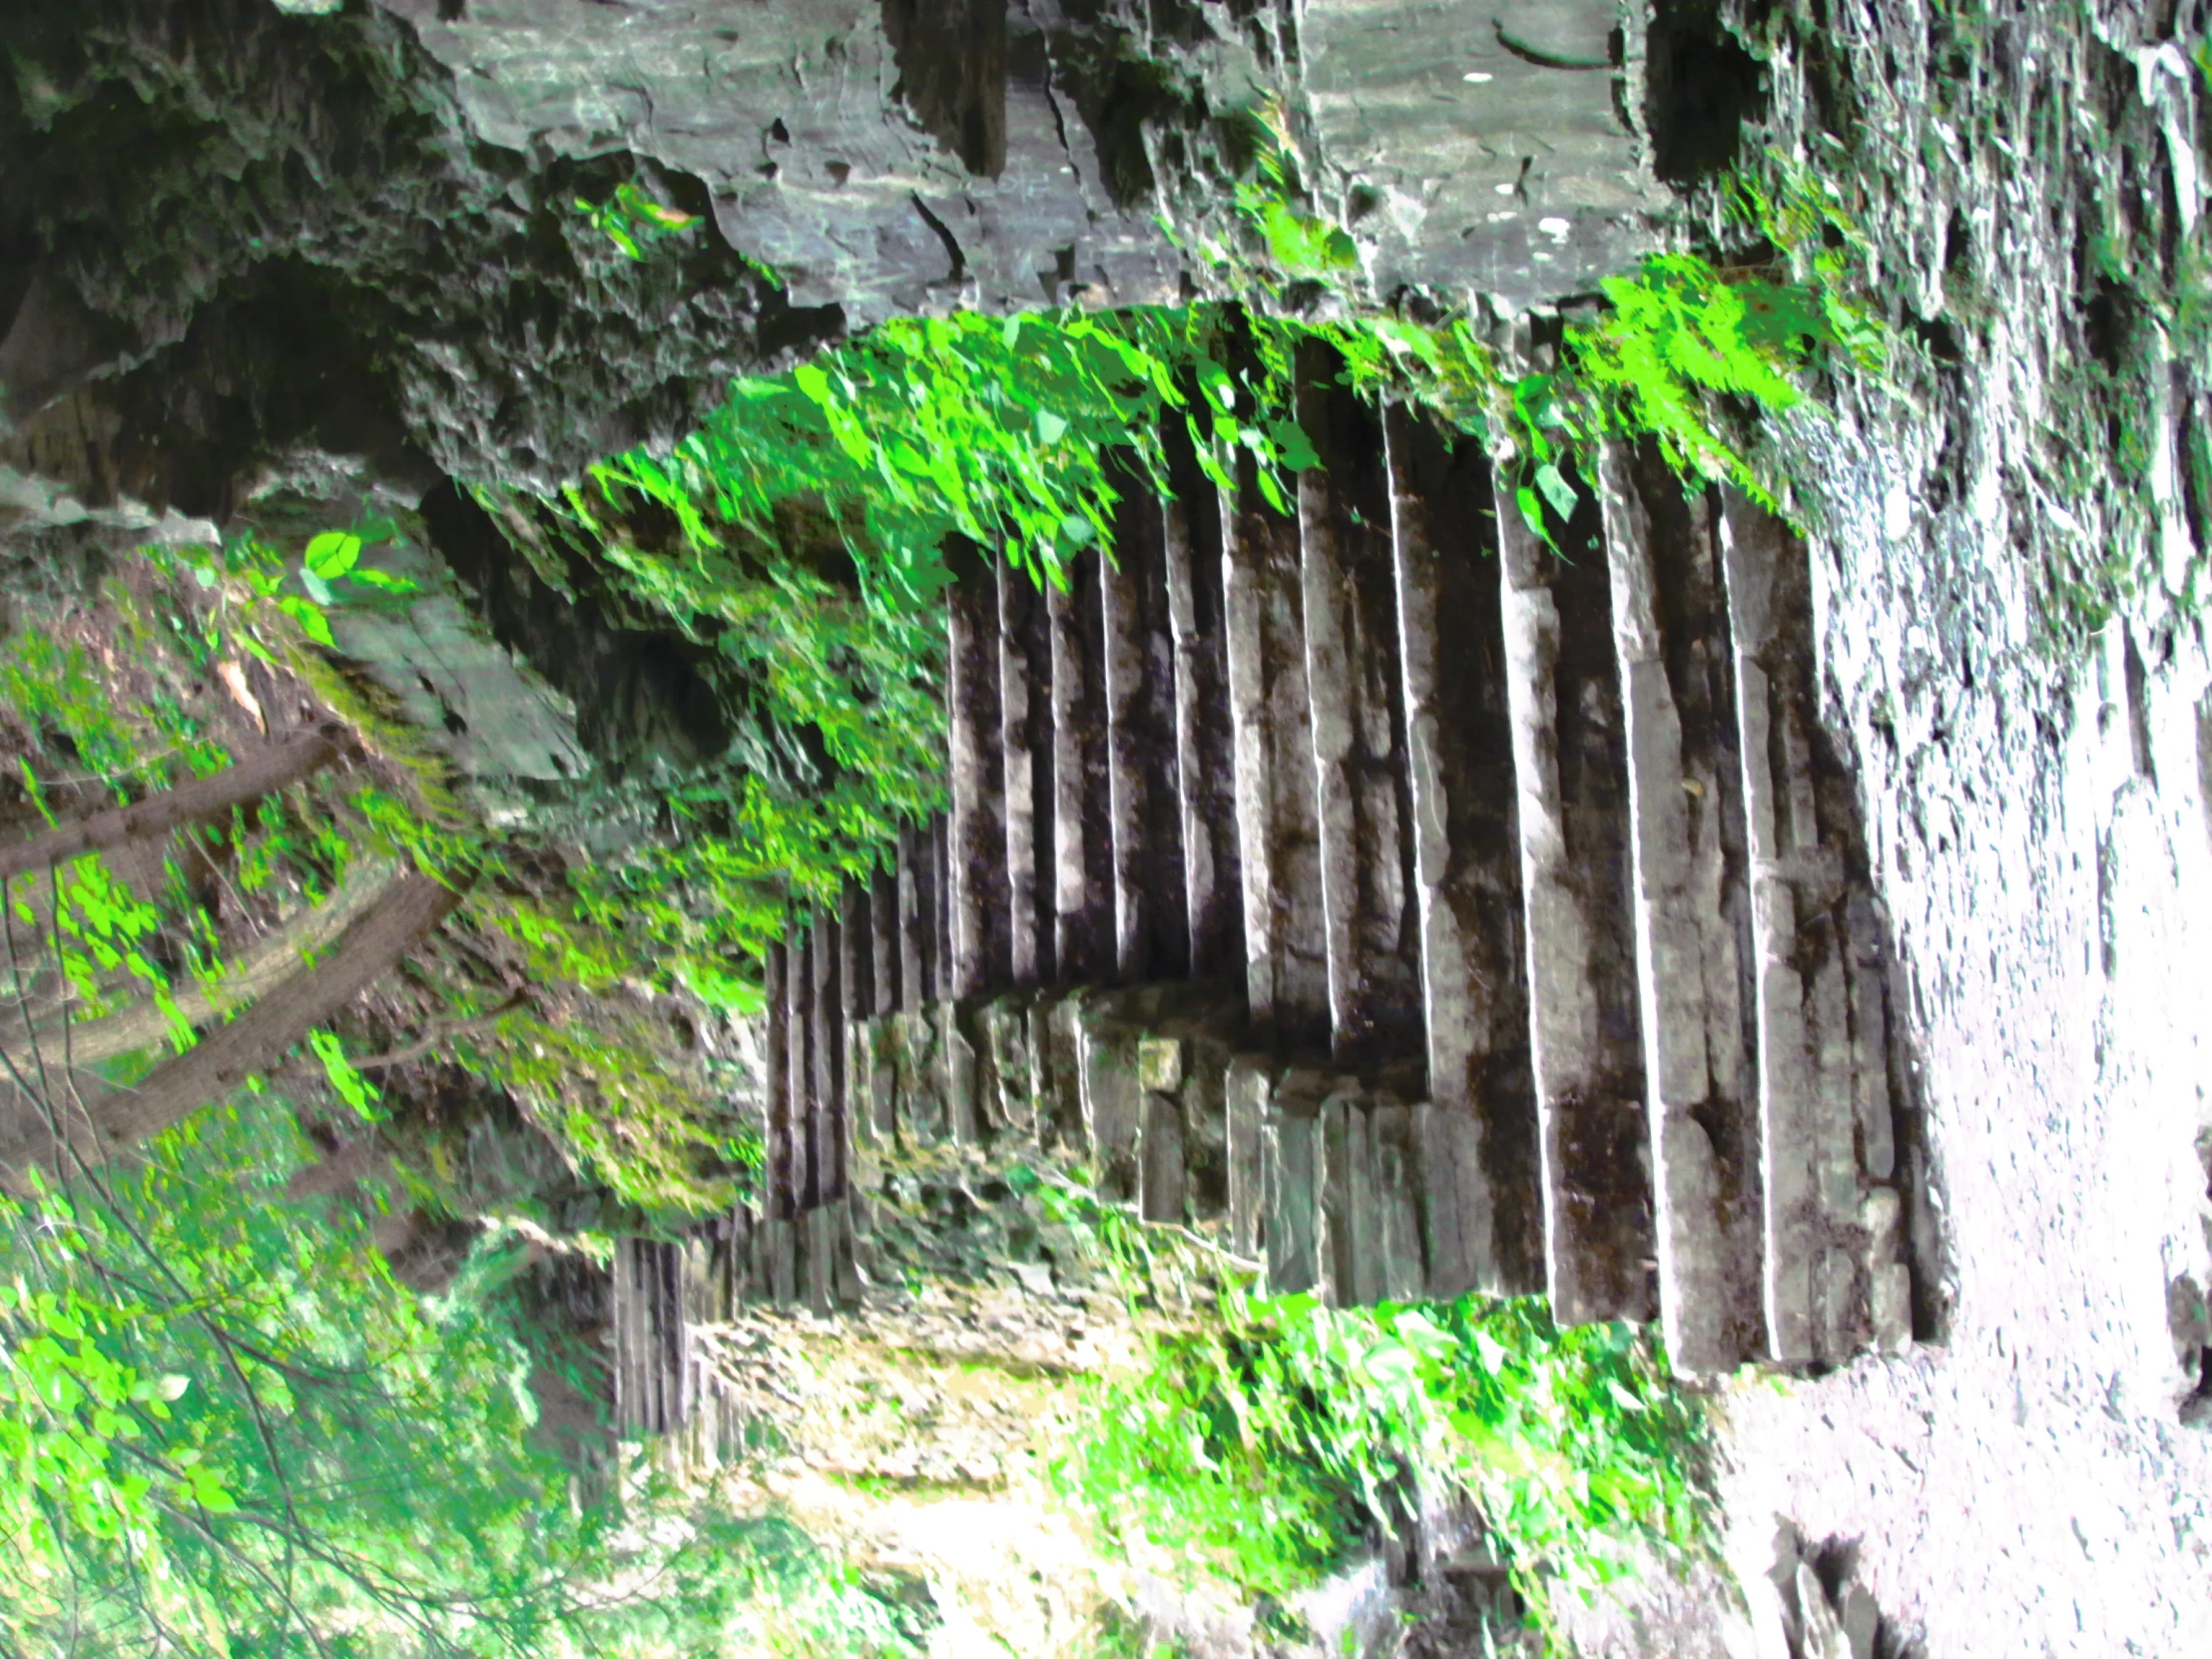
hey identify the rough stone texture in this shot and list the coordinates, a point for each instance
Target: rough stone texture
(1006, 157)
(313, 247)
(357, 233)
(1286, 946)
(2036, 834)
(1686, 799)
(1025, 714)
(1082, 832)
(1356, 695)
(1571, 776)
(1477, 1137)
(981, 897)
(918, 905)
(1812, 1030)
(1205, 763)
(1143, 797)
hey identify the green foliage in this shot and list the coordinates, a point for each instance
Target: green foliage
(634, 222)
(226, 1431)
(248, 581)
(995, 429)
(53, 686)
(233, 1428)
(1265, 1448)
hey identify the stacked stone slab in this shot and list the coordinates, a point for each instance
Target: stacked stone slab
(1421, 899)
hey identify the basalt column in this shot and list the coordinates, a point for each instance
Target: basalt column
(1833, 1218)
(1483, 1224)
(1205, 753)
(1348, 590)
(1082, 826)
(1150, 924)
(1026, 713)
(981, 952)
(1571, 772)
(1691, 907)
(1271, 731)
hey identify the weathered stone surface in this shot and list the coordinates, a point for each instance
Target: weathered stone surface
(1063, 1057)
(1151, 921)
(1025, 714)
(883, 937)
(922, 1089)
(504, 728)
(1160, 1159)
(1478, 1132)
(1354, 698)
(1691, 904)
(1113, 1102)
(1526, 171)
(1291, 1228)
(1821, 1006)
(1247, 1087)
(801, 1079)
(981, 897)
(940, 921)
(1285, 948)
(918, 906)
(1572, 779)
(1205, 760)
(1019, 1083)
(1036, 145)
(962, 1071)
(1082, 814)
(826, 1106)
(775, 1171)
(1403, 1274)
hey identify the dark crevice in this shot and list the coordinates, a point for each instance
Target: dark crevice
(1701, 85)
(945, 236)
(951, 59)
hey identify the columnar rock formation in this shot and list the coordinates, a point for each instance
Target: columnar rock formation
(1415, 907)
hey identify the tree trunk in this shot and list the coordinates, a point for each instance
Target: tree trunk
(104, 1124)
(267, 964)
(160, 815)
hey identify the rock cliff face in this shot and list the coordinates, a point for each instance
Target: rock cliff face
(228, 231)
(261, 259)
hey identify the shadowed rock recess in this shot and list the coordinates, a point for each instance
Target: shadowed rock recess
(348, 262)
(1410, 908)
(357, 235)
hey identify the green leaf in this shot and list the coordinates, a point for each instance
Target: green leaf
(382, 580)
(1556, 490)
(310, 618)
(1050, 427)
(334, 553)
(1293, 445)
(317, 589)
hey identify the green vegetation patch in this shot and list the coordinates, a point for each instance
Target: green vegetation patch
(1269, 1447)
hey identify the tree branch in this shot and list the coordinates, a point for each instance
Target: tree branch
(203, 799)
